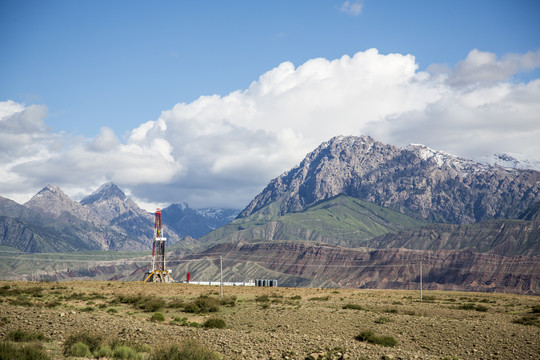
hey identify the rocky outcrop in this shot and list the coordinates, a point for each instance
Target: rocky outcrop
(416, 180)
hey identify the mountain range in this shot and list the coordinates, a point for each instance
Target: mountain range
(105, 220)
(359, 212)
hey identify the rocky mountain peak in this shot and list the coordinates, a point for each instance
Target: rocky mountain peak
(52, 200)
(104, 192)
(416, 180)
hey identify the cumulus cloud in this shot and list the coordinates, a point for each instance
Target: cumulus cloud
(222, 150)
(352, 8)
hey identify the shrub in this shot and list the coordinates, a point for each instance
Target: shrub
(79, 349)
(481, 308)
(391, 311)
(112, 311)
(531, 319)
(535, 309)
(262, 298)
(214, 323)
(104, 351)
(296, 297)
(87, 309)
(371, 338)
(468, 306)
(126, 353)
(157, 317)
(151, 304)
(203, 305)
(353, 307)
(13, 352)
(129, 299)
(176, 303)
(21, 335)
(188, 350)
(322, 298)
(382, 320)
(228, 301)
(93, 341)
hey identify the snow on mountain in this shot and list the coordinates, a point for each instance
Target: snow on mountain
(511, 161)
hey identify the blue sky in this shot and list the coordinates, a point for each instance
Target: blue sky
(119, 63)
(224, 96)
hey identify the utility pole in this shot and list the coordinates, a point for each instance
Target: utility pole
(221, 277)
(420, 280)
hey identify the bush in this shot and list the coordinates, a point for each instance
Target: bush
(535, 309)
(129, 299)
(151, 304)
(531, 319)
(353, 307)
(93, 341)
(322, 298)
(203, 305)
(21, 335)
(157, 317)
(13, 352)
(188, 350)
(79, 349)
(296, 297)
(104, 351)
(262, 298)
(176, 303)
(468, 306)
(126, 353)
(382, 320)
(228, 301)
(214, 323)
(371, 338)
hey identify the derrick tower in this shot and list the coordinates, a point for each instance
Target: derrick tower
(158, 272)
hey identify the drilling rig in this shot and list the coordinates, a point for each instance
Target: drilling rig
(158, 272)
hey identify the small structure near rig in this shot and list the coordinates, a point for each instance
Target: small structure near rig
(266, 282)
(158, 271)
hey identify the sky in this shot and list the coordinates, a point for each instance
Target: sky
(205, 102)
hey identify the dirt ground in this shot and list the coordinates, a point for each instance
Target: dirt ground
(281, 323)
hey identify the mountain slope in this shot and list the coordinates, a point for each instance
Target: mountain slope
(309, 264)
(501, 237)
(196, 223)
(113, 207)
(32, 230)
(341, 221)
(416, 180)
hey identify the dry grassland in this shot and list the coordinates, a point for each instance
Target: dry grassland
(272, 323)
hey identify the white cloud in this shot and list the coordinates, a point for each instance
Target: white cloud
(480, 67)
(222, 150)
(352, 8)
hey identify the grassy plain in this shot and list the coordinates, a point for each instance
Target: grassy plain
(142, 321)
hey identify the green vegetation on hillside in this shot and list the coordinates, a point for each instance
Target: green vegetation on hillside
(341, 220)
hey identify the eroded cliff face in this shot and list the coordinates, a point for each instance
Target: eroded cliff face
(387, 268)
(416, 180)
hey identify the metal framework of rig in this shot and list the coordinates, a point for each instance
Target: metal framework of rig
(158, 272)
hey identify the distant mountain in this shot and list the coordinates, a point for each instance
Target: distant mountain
(105, 220)
(196, 223)
(33, 230)
(111, 205)
(341, 220)
(418, 181)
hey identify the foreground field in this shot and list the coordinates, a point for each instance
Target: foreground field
(136, 320)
